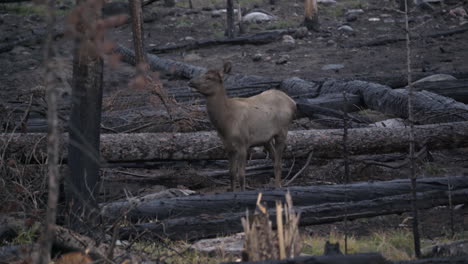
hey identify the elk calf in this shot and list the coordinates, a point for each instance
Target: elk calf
(260, 120)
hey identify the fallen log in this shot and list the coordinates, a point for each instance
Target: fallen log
(446, 260)
(365, 258)
(400, 80)
(253, 39)
(428, 107)
(302, 196)
(205, 226)
(455, 89)
(207, 145)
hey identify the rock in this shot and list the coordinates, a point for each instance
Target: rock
(288, 39)
(216, 13)
(20, 50)
(301, 32)
(332, 67)
(458, 12)
(436, 78)
(232, 245)
(331, 42)
(354, 11)
(283, 59)
(451, 249)
(345, 28)
(326, 2)
(351, 17)
(257, 57)
(389, 123)
(256, 17)
(192, 57)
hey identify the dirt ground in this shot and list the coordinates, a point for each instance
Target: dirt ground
(307, 58)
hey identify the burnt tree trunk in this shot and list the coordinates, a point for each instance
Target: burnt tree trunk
(84, 124)
(207, 145)
(311, 20)
(207, 224)
(302, 196)
(230, 29)
(137, 30)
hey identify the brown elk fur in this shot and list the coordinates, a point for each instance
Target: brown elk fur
(260, 120)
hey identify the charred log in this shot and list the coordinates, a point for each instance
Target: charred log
(204, 225)
(302, 196)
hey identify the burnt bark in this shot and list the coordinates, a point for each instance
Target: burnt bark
(302, 196)
(209, 224)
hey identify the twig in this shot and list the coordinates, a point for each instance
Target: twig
(346, 167)
(301, 170)
(416, 238)
(47, 236)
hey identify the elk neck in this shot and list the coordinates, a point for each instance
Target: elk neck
(217, 107)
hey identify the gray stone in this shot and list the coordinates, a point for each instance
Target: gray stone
(301, 32)
(346, 28)
(283, 59)
(326, 2)
(351, 17)
(256, 17)
(257, 57)
(436, 78)
(332, 67)
(288, 39)
(192, 57)
(354, 11)
(216, 13)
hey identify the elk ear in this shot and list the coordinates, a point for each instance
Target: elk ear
(227, 67)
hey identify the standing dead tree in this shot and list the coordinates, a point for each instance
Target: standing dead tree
(53, 137)
(230, 18)
(84, 129)
(311, 20)
(137, 28)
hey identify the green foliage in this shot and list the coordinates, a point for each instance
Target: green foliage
(27, 236)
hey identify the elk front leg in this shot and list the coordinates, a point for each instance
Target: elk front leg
(242, 158)
(233, 169)
(280, 144)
